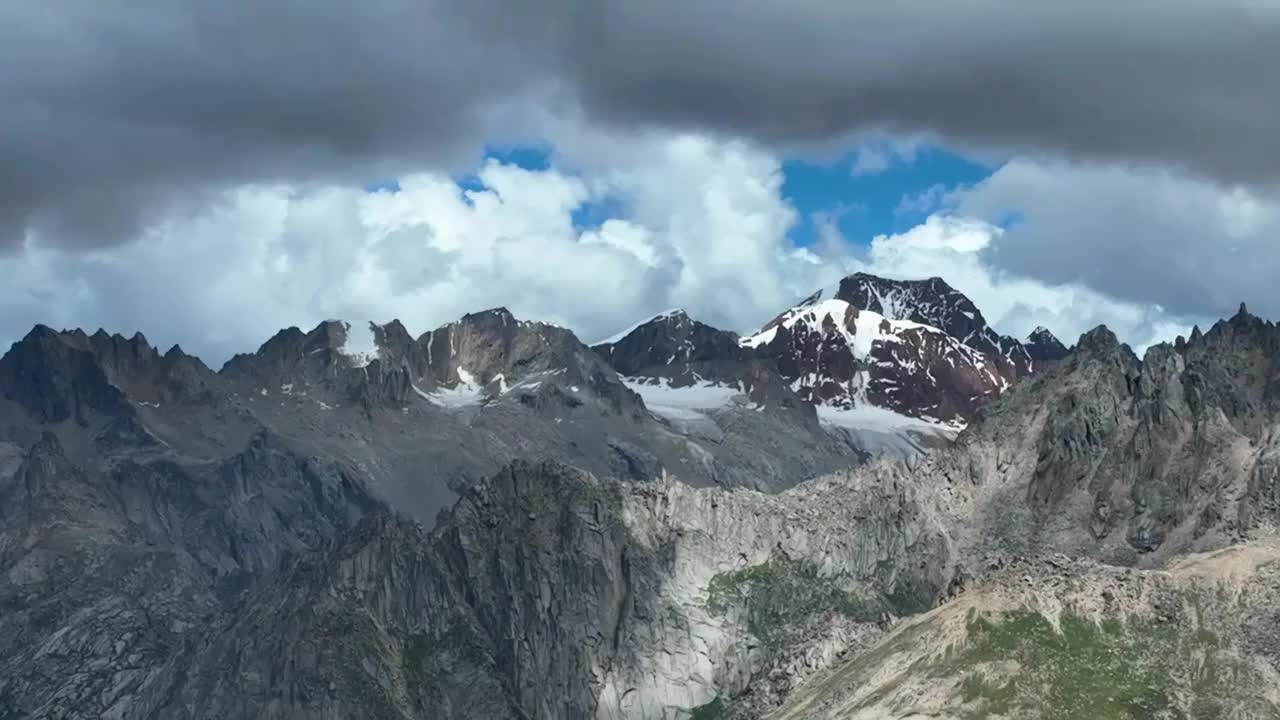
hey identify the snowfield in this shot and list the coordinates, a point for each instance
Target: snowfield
(682, 403)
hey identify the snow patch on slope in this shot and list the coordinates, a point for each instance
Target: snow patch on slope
(466, 393)
(895, 304)
(682, 403)
(875, 429)
(868, 326)
(880, 431)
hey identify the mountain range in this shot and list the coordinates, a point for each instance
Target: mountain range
(875, 506)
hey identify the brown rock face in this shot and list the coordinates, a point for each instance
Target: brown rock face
(918, 348)
(934, 303)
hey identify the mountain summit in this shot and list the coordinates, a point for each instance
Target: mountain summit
(896, 363)
(919, 348)
(493, 520)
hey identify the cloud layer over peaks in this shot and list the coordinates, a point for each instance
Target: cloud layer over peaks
(958, 250)
(680, 221)
(704, 227)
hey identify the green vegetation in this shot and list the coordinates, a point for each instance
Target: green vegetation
(725, 589)
(1018, 664)
(1092, 671)
(995, 698)
(782, 594)
(415, 651)
(358, 639)
(413, 660)
(713, 710)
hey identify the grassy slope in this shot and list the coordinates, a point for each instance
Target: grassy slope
(1013, 652)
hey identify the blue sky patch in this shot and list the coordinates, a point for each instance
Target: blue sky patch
(862, 204)
(866, 205)
(530, 157)
(587, 216)
(592, 215)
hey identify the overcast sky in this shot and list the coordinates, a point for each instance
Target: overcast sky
(202, 171)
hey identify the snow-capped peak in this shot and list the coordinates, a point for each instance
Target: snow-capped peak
(828, 292)
(664, 315)
(867, 326)
(1042, 345)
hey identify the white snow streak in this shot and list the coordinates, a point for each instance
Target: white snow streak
(868, 326)
(620, 335)
(467, 392)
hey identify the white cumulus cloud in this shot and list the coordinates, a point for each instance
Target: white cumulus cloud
(953, 248)
(701, 224)
(688, 221)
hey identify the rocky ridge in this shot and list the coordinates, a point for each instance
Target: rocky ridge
(1058, 637)
(651, 599)
(918, 348)
(897, 366)
(279, 584)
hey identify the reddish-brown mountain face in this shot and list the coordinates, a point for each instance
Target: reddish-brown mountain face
(867, 350)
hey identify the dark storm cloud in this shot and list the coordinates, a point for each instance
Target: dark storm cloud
(1184, 82)
(114, 109)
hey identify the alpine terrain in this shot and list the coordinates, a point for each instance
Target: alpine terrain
(875, 506)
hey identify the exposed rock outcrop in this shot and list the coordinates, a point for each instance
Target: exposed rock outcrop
(548, 593)
(151, 571)
(889, 365)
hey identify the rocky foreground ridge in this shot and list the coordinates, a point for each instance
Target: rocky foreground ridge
(216, 562)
